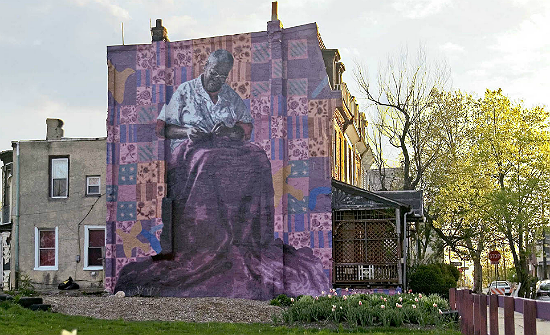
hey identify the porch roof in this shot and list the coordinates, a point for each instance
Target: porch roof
(345, 196)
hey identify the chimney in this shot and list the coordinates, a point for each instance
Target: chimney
(159, 33)
(274, 15)
(54, 129)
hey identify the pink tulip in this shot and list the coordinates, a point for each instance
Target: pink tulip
(360, 303)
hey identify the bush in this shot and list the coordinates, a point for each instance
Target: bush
(26, 288)
(366, 310)
(435, 278)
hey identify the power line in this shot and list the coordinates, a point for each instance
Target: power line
(67, 209)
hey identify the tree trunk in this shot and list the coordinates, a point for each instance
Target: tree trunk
(475, 256)
(523, 277)
(478, 274)
(520, 264)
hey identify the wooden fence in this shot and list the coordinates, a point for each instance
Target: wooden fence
(472, 309)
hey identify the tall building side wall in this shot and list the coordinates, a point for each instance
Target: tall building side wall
(280, 75)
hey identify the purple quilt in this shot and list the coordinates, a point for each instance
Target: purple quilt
(224, 244)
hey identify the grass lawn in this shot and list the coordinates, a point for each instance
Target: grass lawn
(18, 321)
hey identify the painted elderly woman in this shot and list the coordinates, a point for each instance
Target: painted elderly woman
(221, 193)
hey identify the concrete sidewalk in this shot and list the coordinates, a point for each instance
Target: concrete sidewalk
(543, 326)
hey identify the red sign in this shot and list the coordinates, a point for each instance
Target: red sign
(494, 257)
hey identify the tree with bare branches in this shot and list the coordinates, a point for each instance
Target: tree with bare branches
(401, 102)
(403, 98)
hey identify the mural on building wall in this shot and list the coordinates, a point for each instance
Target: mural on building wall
(232, 133)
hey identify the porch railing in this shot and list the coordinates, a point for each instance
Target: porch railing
(365, 273)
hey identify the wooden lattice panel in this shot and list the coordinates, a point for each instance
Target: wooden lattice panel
(350, 251)
(365, 240)
(382, 251)
(380, 229)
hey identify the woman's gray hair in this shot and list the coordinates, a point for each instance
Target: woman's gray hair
(221, 56)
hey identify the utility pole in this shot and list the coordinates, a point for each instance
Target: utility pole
(504, 264)
(544, 269)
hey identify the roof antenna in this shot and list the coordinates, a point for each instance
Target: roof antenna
(122, 24)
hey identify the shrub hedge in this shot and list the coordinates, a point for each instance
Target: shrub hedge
(435, 278)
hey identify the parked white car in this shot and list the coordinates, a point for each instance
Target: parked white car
(543, 288)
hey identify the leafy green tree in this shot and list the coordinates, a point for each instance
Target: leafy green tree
(490, 180)
(453, 186)
(513, 150)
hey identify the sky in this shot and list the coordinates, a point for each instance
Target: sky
(53, 59)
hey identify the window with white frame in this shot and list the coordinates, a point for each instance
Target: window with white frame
(94, 242)
(45, 248)
(93, 185)
(59, 174)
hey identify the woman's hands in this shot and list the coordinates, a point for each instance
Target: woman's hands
(234, 133)
(169, 131)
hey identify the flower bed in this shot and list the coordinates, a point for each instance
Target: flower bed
(366, 310)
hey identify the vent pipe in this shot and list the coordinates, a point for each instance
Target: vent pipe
(274, 14)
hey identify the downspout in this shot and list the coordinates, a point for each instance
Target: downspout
(15, 239)
(405, 248)
(398, 231)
